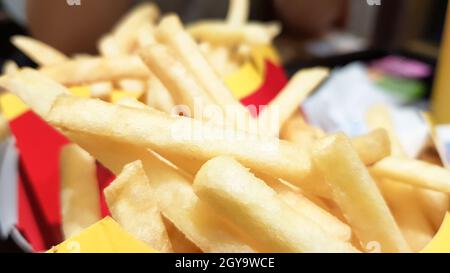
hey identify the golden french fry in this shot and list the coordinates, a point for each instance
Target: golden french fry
(173, 135)
(357, 194)
(34, 89)
(133, 204)
(80, 204)
(220, 33)
(372, 147)
(413, 172)
(175, 77)
(238, 12)
(10, 67)
(180, 243)
(255, 209)
(40, 53)
(81, 71)
(291, 97)
(127, 30)
(402, 201)
(158, 96)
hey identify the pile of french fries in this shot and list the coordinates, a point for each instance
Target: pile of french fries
(196, 181)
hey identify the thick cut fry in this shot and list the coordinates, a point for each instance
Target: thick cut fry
(80, 204)
(146, 35)
(39, 52)
(171, 32)
(34, 89)
(220, 33)
(256, 210)
(173, 135)
(176, 197)
(238, 12)
(291, 97)
(133, 204)
(413, 172)
(372, 147)
(407, 212)
(357, 194)
(296, 130)
(78, 72)
(158, 96)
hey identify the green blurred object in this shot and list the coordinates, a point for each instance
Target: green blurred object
(405, 90)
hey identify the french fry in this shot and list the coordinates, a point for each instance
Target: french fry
(134, 206)
(291, 97)
(10, 67)
(407, 212)
(176, 197)
(372, 147)
(158, 96)
(413, 172)
(357, 194)
(403, 199)
(171, 135)
(171, 32)
(256, 210)
(82, 71)
(40, 53)
(34, 89)
(296, 130)
(308, 209)
(146, 35)
(108, 47)
(238, 12)
(127, 30)
(79, 190)
(435, 205)
(220, 33)
(378, 116)
(175, 78)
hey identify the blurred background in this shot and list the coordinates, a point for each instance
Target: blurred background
(394, 35)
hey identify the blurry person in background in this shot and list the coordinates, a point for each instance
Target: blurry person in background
(75, 29)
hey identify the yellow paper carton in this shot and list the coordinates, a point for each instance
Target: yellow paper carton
(106, 236)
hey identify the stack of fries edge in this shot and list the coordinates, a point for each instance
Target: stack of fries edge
(313, 193)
